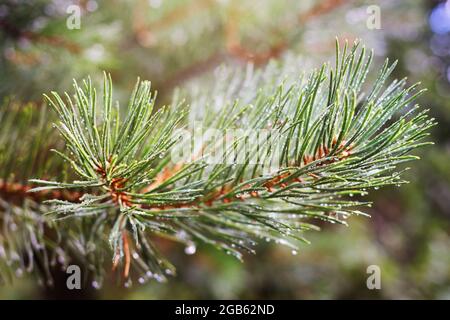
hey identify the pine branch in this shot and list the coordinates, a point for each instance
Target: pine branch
(326, 137)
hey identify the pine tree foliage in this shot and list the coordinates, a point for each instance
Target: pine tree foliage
(118, 189)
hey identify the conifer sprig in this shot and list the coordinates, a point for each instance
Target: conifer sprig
(328, 139)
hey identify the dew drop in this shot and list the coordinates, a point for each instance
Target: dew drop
(190, 249)
(168, 271)
(159, 278)
(19, 273)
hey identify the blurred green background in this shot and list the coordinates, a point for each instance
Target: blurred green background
(172, 42)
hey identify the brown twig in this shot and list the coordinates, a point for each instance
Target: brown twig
(144, 31)
(193, 70)
(126, 250)
(342, 152)
(319, 9)
(16, 193)
(56, 41)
